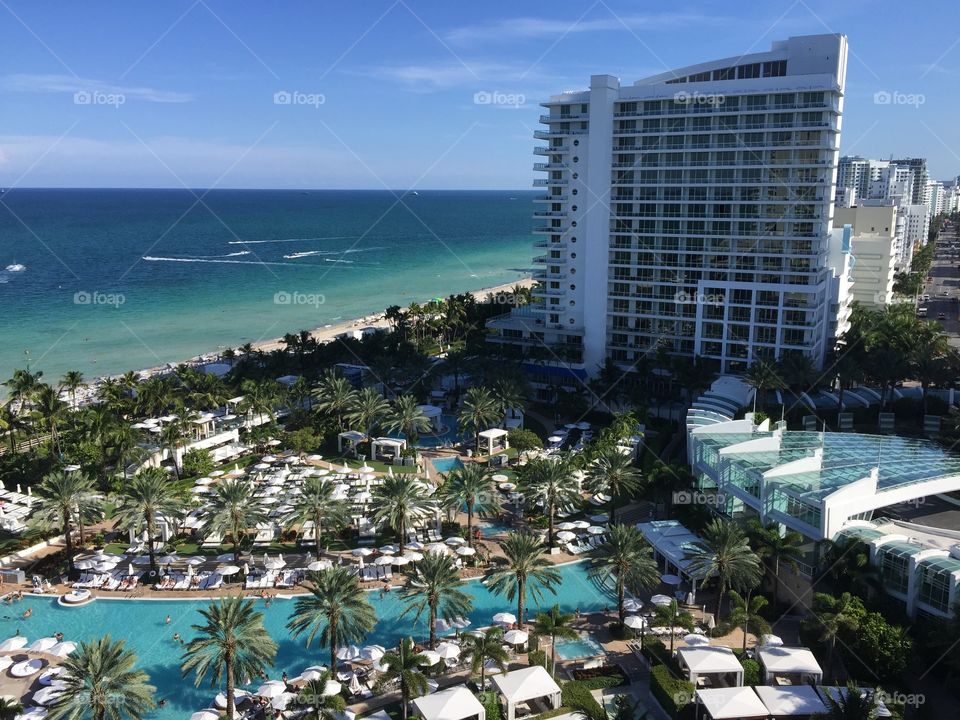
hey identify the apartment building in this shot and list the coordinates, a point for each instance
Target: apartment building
(874, 246)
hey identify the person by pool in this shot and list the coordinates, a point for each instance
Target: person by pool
(27, 613)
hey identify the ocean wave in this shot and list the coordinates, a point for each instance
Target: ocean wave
(285, 240)
(308, 253)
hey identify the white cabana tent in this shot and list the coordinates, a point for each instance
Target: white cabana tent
(736, 703)
(456, 703)
(494, 439)
(526, 684)
(788, 666)
(791, 702)
(386, 448)
(717, 661)
(350, 439)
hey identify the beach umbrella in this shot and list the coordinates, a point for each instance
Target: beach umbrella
(141, 560)
(632, 605)
(566, 525)
(430, 657)
(447, 650)
(634, 622)
(661, 600)
(196, 560)
(84, 564)
(771, 640)
(26, 668)
(670, 579)
(282, 701)
(415, 545)
(580, 524)
(43, 644)
(216, 473)
(695, 640)
(439, 548)
(461, 622)
(311, 674)
(203, 481)
(505, 618)
(348, 652)
(366, 469)
(167, 559)
(246, 569)
(384, 560)
(275, 564)
(49, 676)
(361, 552)
(33, 713)
(515, 637)
(465, 551)
(565, 536)
(373, 652)
(554, 439)
(13, 643)
(261, 466)
(49, 694)
(228, 570)
(62, 649)
(596, 530)
(508, 487)
(354, 686)
(441, 625)
(205, 715)
(201, 490)
(388, 549)
(332, 688)
(455, 541)
(401, 560)
(271, 689)
(225, 557)
(318, 565)
(220, 701)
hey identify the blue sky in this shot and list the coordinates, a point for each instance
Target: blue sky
(382, 93)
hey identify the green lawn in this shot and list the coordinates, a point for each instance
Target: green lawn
(375, 464)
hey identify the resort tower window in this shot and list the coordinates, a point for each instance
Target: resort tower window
(895, 566)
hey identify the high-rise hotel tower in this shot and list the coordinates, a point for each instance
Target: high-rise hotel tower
(690, 210)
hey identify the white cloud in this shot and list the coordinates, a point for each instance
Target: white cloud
(24, 82)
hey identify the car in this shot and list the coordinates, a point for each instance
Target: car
(946, 293)
(941, 316)
(925, 297)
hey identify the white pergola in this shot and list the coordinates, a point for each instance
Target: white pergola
(495, 439)
(350, 438)
(710, 660)
(796, 665)
(788, 702)
(395, 446)
(736, 703)
(526, 684)
(456, 703)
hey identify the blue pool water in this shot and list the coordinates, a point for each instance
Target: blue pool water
(579, 648)
(450, 435)
(492, 529)
(141, 624)
(445, 465)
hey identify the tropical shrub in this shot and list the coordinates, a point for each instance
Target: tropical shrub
(673, 694)
(197, 463)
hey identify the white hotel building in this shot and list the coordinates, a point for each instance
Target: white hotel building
(693, 209)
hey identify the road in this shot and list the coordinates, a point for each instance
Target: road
(944, 277)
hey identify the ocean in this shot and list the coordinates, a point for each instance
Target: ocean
(106, 281)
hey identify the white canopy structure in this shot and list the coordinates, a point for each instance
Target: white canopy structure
(387, 448)
(350, 439)
(791, 665)
(737, 703)
(787, 702)
(717, 661)
(495, 440)
(456, 703)
(525, 684)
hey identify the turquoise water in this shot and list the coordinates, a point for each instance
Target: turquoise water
(117, 280)
(580, 648)
(141, 624)
(445, 465)
(450, 435)
(492, 529)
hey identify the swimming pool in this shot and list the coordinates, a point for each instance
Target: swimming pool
(449, 436)
(583, 646)
(141, 624)
(446, 464)
(492, 529)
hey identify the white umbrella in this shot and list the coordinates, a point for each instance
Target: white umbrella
(505, 618)
(348, 652)
(203, 481)
(226, 557)
(354, 686)
(366, 469)
(455, 541)
(216, 473)
(771, 640)
(205, 715)
(47, 695)
(401, 560)
(373, 652)
(694, 640)
(271, 689)
(670, 579)
(361, 552)
(228, 570)
(448, 650)
(567, 525)
(142, 560)
(49, 676)
(318, 565)
(580, 524)
(308, 675)
(14, 643)
(441, 625)
(634, 622)
(275, 564)
(43, 644)
(84, 564)
(62, 649)
(167, 559)
(332, 688)
(220, 700)
(196, 560)
(384, 560)
(661, 600)
(430, 657)
(415, 545)
(515, 637)
(388, 549)
(439, 548)
(565, 536)
(596, 530)
(461, 622)
(632, 605)
(499, 478)
(33, 713)
(465, 551)
(554, 439)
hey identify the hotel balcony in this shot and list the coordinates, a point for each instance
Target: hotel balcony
(546, 182)
(550, 214)
(577, 117)
(550, 166)
(548, 134)
(551, 150)
(550, 198)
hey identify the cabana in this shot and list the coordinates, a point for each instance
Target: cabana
(434, 414)
(732, 703)
(711, 666)
(456, 703)
(797, 703)
(495, 440)
(788, 666)
(349, 439)
(524, 685)
(387, 449)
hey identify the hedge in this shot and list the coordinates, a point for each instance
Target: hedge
(575, 694)
(751, 672)
(538, 657)
(491, 704)
(673, 694)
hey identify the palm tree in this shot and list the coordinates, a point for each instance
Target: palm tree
(400, 501)
(147, 497)
(233, 510)
(762, 376)
(50, 411)
(526, 570)
(484, 647)
(172, 435)
(435, 587)
(850, 703)
(554, 624)
(232, 642)
(404, 665)
(771, 545)
(260, 398)
(367, 410)
(625, 560)
(100, 682)
(745, 613)
(472, 487)
(65, 498)
(72, 381)
(614, 474)
(480, 410)
(322, 705)
(336, 609)
(728, 556)
(407, 418)
(835, 615)
(549, 483)
(10, 708)
(317, 503)
(334, 396)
